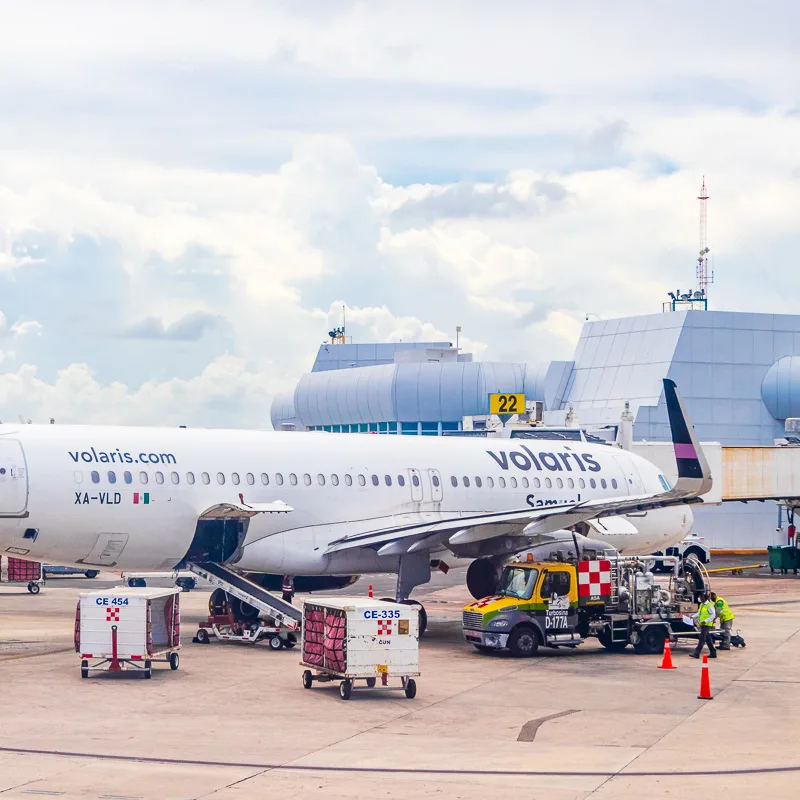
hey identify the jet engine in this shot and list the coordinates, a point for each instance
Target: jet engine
(483, 576)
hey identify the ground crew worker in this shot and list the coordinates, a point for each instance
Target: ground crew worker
(287, 588)
(726, 617)
(704, 618)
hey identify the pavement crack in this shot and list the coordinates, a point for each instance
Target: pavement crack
(530, 729)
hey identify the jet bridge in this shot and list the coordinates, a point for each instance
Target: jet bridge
(237, 585)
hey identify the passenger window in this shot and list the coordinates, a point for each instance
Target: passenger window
(293, 479)
(375, 480)
(205, 477)
(306, 479)
(582, 483)
(127, 477)
(502, 482)
(265, 479)
(95, 476)
(235, 478)
(250, 478)
(401, 481)
(143, 478)
(537, 483)
(112, 476)
(613, 483)
(190, 477)
(453, 481)
(279, 479)
(159, 477)
(570, 483)
(466, 481)
(321, 479)
(478, 482)
(548, 483)
(603, 482)
(220, 478)
(348, 479)
(362, 481)
(335, 479)
(174, 477)
(415, 480)
(490, 482)
(513, 483)
(388, 480)
(78, 477)
(435, 480)
(593, 483)
(525, 483)
(555, 583)
(559, 483)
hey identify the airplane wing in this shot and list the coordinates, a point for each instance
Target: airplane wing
(694, 480)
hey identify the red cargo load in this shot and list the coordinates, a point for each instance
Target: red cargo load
(21, 571)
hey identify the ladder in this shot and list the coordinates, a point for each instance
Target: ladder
(237, 585)
(613, 557)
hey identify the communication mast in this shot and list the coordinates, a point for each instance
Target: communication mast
(704, 280)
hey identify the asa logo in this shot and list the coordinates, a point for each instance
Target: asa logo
(525, 459)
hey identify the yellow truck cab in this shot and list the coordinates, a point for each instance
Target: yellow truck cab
(560, 603)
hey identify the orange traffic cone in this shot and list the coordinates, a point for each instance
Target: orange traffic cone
(667, 661)
(370, 590)
(705, 682)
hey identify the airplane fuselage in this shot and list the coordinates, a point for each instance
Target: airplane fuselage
(130, 498)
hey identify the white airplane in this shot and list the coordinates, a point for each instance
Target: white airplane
(324, 507)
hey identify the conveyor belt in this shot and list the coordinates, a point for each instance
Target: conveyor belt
(235, 584)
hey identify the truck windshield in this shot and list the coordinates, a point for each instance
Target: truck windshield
(518, 582)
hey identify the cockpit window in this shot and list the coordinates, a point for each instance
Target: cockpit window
(518, 582)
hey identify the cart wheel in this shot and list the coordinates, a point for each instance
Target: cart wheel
(275, 642)
(33, 588)
(411, 688)
(174, 661)
(202, 636)
(371, 683)
(148, 670)
(345, 689)
(290, 642)
(308, 679)
(84, 669)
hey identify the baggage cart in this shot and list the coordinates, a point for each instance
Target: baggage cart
(128, 629)
(20, 571)
(349, 639)
(184, 579)
(783, 558)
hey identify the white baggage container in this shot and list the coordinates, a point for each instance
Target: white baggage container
(124, 628)
(359, 638)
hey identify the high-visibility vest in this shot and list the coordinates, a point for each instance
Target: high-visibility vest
(723, 610)
(705, 613)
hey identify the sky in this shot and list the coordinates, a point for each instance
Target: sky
(191, 191)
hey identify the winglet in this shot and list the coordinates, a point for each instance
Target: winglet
(694, 476)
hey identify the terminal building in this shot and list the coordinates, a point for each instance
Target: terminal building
(739, 374)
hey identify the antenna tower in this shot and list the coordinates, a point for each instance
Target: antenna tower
(704, 280)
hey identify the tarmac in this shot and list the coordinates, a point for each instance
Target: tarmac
(234, 721)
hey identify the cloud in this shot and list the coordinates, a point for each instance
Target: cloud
(182, 205)
(189, 328)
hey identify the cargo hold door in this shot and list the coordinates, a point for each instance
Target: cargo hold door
(13, 479)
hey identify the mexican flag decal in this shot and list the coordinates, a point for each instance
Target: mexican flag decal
(144, 497)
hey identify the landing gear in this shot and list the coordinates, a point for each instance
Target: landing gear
(415, 569)
(423, 616)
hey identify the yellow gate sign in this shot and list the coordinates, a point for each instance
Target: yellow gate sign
(506, 404)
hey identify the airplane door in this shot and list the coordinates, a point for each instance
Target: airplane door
(633, 480)
(415, 481)
(13, 478)
(435, 480)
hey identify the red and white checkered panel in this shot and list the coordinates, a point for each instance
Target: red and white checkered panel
(594, 578)
(384, 627)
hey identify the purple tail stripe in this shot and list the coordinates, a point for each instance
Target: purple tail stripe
(685, 451)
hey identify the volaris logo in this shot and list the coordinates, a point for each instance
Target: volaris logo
(525, 459)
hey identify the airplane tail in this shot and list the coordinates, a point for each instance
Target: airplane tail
(694, 476)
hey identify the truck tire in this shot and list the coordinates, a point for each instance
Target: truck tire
(275, 642)
(697, 553)
(203, 637)
(523, 641)
(604, 637)
(651, 641)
